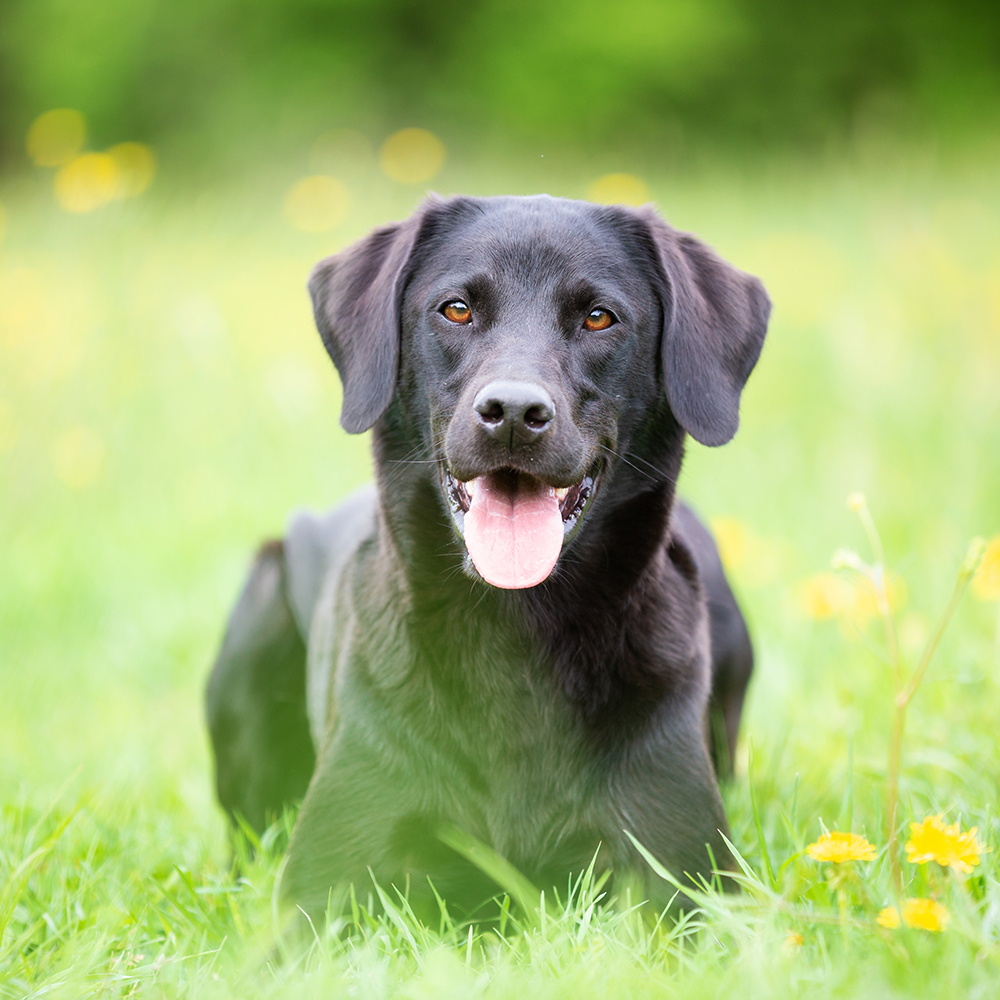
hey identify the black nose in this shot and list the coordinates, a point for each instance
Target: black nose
(514, 412)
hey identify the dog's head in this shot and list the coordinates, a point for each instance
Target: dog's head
(530, 344)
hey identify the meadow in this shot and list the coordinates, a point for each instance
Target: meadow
(165, 403)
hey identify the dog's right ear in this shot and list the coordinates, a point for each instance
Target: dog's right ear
(357, 296)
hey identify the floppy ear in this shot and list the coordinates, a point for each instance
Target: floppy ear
(715, 318)
(357, 295)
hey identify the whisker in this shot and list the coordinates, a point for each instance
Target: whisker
(662, 475)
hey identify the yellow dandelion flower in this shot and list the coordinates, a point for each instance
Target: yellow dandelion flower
(934, 840)
(986, 582)
(927, 914)
(839, 847)
(793, 943)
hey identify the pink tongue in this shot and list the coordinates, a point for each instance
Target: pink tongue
(513, 530)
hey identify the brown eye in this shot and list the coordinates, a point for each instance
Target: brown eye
(599, 319)
(457, 312)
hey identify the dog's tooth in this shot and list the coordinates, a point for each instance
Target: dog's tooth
(561, 493)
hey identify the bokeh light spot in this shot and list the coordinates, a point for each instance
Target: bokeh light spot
(136, 167)
(56, 137)
(343, 152)
(412, 155)
(86, 183)
(78, 457)
(317, 204)
(618, 189)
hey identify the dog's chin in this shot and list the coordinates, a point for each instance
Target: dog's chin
(515, 525)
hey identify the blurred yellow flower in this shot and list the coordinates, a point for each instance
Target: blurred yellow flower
(927, 914)
(827, 595)
(86, 183)
(733, 540)
(56, 137)
(865, 604)
(317, 204)
(135, 165)
(793, 943)
(78, 457)
(838, 847)
(933, 840)
(618, 189)
(824, 595)
(412, 155)
(755, 560)
(986, 582)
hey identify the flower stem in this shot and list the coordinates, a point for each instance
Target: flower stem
(905, 693)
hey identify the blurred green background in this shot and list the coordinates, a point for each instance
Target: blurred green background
(173, 170)
(653, 76)
(165, 401)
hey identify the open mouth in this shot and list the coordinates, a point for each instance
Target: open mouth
(514, 525)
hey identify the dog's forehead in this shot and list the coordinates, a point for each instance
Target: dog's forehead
(538, 241)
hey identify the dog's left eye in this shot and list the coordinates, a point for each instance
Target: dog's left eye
(598, 319)
(457, 312)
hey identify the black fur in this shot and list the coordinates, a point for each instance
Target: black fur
(546, 720)
(256, 700)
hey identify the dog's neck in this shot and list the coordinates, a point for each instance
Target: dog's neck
(608, 660)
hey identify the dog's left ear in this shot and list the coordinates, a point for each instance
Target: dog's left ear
(715, 318)
(357, 295)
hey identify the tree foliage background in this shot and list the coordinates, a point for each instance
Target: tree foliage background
(653, 74)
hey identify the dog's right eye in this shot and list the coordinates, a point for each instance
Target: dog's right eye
(599, 319)
(457, 312)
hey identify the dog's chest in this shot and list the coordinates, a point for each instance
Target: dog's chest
(519, 768)
(490, 736)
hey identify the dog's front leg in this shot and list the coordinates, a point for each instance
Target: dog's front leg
(669, 802)
(355, 801)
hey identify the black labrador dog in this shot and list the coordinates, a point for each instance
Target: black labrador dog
(519, 630)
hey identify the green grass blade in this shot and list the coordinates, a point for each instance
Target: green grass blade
(497, 867)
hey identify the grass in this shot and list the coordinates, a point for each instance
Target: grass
(165, 402)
